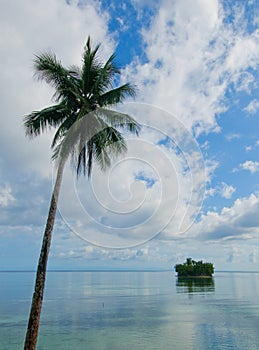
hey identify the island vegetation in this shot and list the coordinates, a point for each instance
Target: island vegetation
(192, 268)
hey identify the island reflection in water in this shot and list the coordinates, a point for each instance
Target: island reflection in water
(195, 285)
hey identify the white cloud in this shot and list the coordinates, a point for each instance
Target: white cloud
(210, 192)
(193, 57)
(241, 221)
(224, 190)
(96, 253)
(244, 51)
(250, 165)
(211, 166)
(252, 107)
(6, 196)
(227, 190)
(231, 137)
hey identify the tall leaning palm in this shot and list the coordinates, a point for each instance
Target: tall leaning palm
(87, 130)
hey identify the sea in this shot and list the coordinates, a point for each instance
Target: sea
(140, 310)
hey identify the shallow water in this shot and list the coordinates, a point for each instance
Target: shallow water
(133, 310)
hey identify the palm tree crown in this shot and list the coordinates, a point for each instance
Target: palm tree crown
(83, 97)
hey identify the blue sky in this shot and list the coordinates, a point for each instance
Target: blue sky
(188, 185)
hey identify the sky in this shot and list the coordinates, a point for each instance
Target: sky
(188, 185)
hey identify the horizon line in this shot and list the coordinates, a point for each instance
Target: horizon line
(122, 270)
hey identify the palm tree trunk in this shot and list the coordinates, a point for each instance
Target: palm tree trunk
(36, 305)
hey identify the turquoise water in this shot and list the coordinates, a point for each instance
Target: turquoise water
(133, 310)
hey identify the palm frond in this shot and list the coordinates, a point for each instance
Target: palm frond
(39, 121)
(71, 139)
(106, 76)
(63, 129)
(108, 143)
(119, 120)
(81, 162)
(90, 158)
(76, 72)
(49, 69)
(91, 67)
(102, 158)
(117, 95)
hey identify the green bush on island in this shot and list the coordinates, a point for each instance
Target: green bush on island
(193, 268)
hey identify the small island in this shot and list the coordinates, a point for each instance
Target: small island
(193, 268)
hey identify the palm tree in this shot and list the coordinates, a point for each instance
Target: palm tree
(87, 130)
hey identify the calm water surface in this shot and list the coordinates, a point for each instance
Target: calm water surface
(133, 310)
